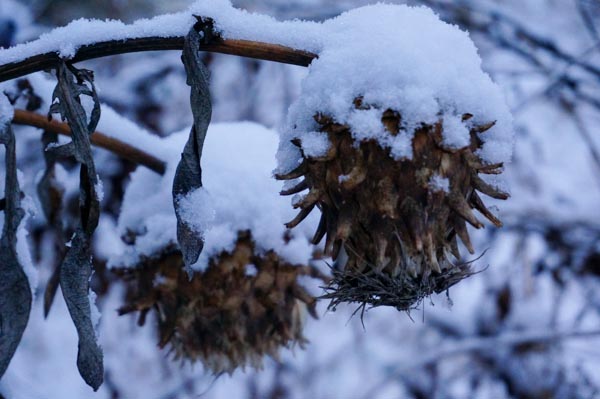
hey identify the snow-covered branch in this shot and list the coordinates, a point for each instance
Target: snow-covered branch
(243, 48)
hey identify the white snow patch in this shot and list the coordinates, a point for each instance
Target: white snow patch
(239, 193)
(99, 188)
(315, 144)
(231, 23)
(23, 252)
(6, 111)
(382, 54)
(197, 210)
(95, 312)
(250, 270)
(456, 133)
(439, 183)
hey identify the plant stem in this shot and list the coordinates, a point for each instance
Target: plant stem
(243, 48)
(98, 139)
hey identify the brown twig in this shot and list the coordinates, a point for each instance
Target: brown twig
(101, 140)
(243, 48)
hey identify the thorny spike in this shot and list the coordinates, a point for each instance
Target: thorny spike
(299, 171)
(356, 176)
(321, 230)
(460, 205)
(303, 185)
(344, 225)
(461, 230)
(300, 217)
(454, 247)
(416, 229)
(332, 222)
(337, 247)
(309, 201)
(483, 128)
(480, 185)
(381, 245)
(480, 206)
(430, 254)
(494, 169)
(475, 162)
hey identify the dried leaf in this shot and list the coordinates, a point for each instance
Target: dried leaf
(188, 176)
(75, 273)
(15, 293)
(76, 268)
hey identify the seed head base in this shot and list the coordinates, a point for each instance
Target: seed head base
(245, 305)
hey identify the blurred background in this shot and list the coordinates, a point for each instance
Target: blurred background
(528, 326)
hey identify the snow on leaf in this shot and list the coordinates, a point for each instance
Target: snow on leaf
(188, 176)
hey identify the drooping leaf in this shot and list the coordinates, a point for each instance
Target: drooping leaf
(75, 273)
(76, 267)
(188, 176)
(15, 293)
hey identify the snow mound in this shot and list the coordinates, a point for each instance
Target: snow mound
(405, 59)
(239, 193)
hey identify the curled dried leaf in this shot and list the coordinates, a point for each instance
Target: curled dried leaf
(188, 176)
(15, 293)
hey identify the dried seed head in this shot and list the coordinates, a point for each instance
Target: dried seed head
(397, 219)
(245, 305)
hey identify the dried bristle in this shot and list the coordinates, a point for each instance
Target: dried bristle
(224, 317)
(387, 215)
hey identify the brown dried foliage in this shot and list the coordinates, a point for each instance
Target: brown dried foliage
(226, 317)
(398, 230)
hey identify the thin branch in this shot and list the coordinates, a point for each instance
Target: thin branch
(98, 139)
(243, 48)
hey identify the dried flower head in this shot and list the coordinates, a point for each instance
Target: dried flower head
(398, 220)
(245, 305)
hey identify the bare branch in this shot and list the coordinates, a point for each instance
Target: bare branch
(98, 139)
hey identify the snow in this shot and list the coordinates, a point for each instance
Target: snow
(95, 312)
(315, 144)
(197, 210)
(456, 132)
(99, 188)
(378, 52)
(439, 183)
(551, 166)
(6, 111)
(383, 54)
(23, 251)
(232, 23)
(239, 193)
